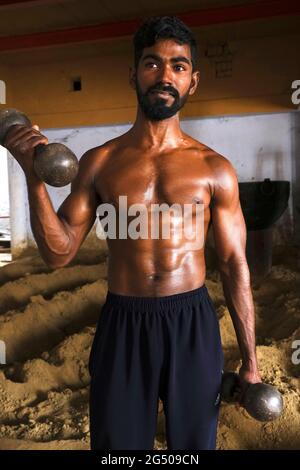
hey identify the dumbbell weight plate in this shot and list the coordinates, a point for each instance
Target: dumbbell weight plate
(9, 117)
(263, 402)
(55, 164)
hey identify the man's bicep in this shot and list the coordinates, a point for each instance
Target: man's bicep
(227, 218)
(78, 210)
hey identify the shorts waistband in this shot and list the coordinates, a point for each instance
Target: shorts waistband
(154, 303)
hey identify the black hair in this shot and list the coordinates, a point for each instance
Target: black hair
(163, 27)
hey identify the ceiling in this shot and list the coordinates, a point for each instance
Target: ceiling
(73, 24)
(18, 17)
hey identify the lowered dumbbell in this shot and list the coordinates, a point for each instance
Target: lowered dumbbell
(262, 401)
(55, 164)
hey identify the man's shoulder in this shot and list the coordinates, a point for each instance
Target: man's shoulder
(96, 157)
(219, 164)
(222, 174)
(103, 150)
(223, 181)
(214, 160)
(93, 161)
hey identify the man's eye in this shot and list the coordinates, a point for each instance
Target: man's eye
(179, 67)
(150, 64)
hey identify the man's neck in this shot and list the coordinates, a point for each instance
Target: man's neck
(152, 135)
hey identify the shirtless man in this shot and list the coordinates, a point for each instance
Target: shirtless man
(158, 332)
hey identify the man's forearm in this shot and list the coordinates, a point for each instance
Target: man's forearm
(50, 233)
(237, 291)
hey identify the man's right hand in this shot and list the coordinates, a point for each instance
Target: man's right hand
(21, 140)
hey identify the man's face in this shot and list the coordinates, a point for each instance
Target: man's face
(164, 79)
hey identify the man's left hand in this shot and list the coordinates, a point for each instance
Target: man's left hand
(247, 376)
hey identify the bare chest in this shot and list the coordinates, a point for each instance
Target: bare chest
(171, 179)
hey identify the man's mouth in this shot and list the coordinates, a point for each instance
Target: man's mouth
(161, 93)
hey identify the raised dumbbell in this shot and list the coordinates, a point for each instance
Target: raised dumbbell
(262, 401)
(55, 164)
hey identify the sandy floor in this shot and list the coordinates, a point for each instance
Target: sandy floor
(47, 320)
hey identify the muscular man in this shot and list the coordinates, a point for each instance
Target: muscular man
(158, 333)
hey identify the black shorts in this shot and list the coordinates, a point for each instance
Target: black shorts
(150, 347)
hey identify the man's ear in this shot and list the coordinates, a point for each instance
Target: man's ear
(132, 77)
(194, 82)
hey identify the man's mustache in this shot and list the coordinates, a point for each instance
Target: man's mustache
(167, 89)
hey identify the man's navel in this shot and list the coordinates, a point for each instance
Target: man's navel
(154, 277)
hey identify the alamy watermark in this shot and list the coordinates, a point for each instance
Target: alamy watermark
(2, 352)
(296, 353)
(175, 222)
(2, 92)
(296, 93)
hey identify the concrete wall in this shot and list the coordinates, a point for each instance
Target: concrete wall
(259, 146)
(295, 131)
(4, 193)
(258, 76)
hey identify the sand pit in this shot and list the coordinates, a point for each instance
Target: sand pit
(47, 320)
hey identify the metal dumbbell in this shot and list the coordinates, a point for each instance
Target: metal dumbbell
(55, 164)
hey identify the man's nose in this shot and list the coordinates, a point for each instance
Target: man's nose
(166, 74)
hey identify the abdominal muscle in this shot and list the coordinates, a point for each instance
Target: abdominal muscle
(154, 268)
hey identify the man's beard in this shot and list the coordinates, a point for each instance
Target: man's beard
(158, 109)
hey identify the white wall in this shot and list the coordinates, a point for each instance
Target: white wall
(4, 195)
(259, 146)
